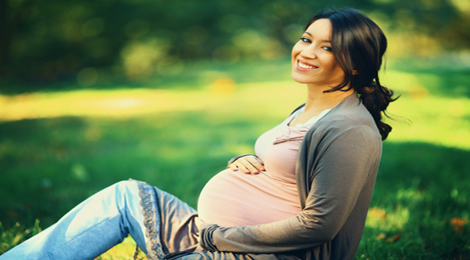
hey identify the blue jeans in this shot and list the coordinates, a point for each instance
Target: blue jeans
(106, 218)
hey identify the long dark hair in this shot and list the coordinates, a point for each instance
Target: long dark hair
(358, 45)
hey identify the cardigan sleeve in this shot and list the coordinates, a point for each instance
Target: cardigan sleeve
(339, 175)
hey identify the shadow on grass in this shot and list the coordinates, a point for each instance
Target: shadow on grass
(50, 165)
(420, 188)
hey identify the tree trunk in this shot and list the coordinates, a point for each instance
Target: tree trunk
(5, 38)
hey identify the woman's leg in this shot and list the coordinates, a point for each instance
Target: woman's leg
(170, 224)
(104, 220)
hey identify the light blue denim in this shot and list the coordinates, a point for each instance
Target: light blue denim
(162, 226)
(91, 228)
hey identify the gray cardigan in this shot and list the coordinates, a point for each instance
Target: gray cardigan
(336, 168)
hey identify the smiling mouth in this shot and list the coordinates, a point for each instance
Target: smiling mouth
(305, 66)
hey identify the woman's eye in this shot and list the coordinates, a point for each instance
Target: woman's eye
(305, 39)
(326, 48)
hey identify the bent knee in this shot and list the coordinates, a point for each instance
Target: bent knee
(126, 186)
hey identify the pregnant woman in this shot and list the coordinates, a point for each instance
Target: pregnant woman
(304, 195)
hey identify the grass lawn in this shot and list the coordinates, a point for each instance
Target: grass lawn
(58, 148)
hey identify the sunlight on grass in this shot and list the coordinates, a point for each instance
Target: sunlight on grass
(122, 251)
(133, 102)
(387, 221)
(410, 195)
(436, 119)
(95, 103)
(432, 121)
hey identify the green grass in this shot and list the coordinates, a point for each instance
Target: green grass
(58, 148)
(15, 235)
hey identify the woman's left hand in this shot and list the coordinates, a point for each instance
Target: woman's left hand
(248, 164)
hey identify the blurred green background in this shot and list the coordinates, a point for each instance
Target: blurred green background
(94, 92)
(93, 41)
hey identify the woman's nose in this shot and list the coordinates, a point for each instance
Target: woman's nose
(308, 53)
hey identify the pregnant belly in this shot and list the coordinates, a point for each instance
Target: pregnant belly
(236, 199)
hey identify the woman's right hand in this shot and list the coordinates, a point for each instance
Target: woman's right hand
(248, 164)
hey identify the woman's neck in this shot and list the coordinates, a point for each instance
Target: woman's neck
(318, 100)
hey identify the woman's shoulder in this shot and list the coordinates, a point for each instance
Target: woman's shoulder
(350, 114)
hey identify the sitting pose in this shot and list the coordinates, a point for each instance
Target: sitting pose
(304, 195)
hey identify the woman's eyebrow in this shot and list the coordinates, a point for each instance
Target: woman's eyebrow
(312, 36)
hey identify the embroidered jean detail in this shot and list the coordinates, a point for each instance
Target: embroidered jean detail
(148, 201)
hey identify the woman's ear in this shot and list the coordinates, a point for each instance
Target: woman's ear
(355, 72)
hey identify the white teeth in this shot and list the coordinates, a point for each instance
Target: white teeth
(305, 66)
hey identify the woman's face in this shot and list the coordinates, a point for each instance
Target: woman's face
(313, 62)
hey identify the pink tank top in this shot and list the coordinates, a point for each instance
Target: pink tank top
(232, 198)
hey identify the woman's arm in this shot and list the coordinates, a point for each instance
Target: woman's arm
(345, 164)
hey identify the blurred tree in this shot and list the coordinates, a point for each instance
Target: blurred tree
(47, 41)
(448, 21)
(10, 17)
